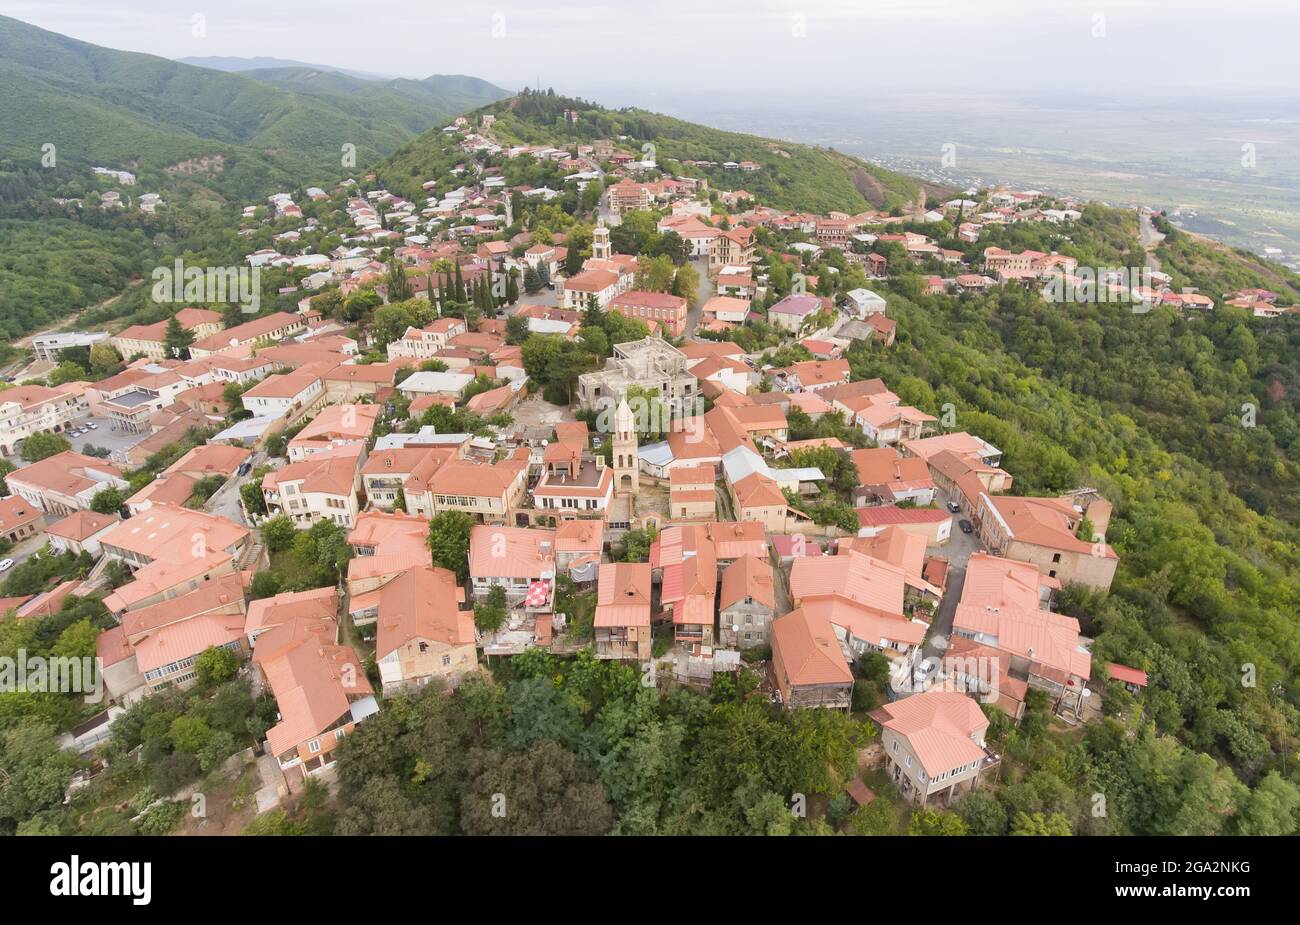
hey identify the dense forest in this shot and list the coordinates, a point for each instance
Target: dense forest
(118, 109)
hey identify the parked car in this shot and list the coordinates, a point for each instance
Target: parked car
(954, 507)
(243, 469)
(6, 564)
(965, 526)
(92, 425)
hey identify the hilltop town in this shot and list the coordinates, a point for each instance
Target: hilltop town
(549, 409)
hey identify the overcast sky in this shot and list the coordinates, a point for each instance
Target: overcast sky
(640, 51)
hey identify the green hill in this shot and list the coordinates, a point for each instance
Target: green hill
(150, 114)
(792, 176)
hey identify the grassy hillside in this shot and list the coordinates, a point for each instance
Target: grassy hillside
(101, 106)
(793, 176)
(409, 103)
(1215, 268)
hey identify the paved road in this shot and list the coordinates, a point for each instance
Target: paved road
(960, 545)
(27, 548)
(225, 503)
(957, 551)
(941, 627)
(1150, 239)
(704, 293)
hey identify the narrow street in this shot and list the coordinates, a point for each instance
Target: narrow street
(941, 628)
(225, 502)
(1150, 239)
(702, 295)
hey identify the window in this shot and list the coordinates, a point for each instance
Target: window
(446, 660)
(313, 746)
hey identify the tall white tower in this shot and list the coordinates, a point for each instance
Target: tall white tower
(626, 465)
(600, 247)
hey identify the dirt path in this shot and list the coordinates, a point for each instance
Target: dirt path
(26, 340)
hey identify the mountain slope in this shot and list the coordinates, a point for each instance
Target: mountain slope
(792, 176)
(408, 101)
(100, 105)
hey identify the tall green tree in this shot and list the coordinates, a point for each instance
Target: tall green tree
(178, 340)
(448, 541)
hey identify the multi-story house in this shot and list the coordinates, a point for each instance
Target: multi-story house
(863, 598)
(80, 532)
(692, 494)
(64, 483)
(1045, 532)
(731, 248)
(424, 343)
(934, 744)
(268, 329)
(423, 633)
(691, 592)
(335, 426)
(746, 604)
(150, 340)
(657, 309)
(324, 486)
(19, 519)
(29, 409)
(519, 560)
(886, 477)
(574, 482)
(281, 395)
(388, 473)
(622, 621)
(965, 478)
(794, 311)
(173, 550)
(169, 635)
(320, 687)
(603, 285)
(808, 668)
(1004, 606)
(486, 491)
(628, 195)
(386, 545)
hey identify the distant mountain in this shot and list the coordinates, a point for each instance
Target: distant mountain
(237, 133)
(407, 100)
(243, 65)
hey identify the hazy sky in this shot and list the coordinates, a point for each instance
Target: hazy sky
(637, 51)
